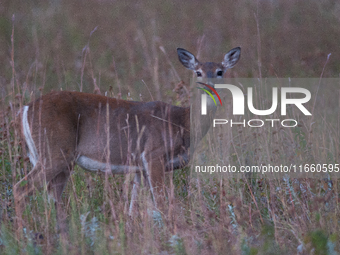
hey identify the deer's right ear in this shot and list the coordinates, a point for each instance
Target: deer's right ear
(187, 59)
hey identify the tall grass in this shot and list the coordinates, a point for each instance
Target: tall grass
(54, 45)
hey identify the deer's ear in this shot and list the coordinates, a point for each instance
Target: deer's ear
(231, 58)
(187, 59)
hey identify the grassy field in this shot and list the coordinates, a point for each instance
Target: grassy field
(128, 50)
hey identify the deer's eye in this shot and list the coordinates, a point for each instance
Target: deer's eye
(199, 74)
(219, 73)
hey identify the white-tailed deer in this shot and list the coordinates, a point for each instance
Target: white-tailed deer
(99, 133)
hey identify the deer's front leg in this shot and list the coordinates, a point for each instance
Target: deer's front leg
(154, 171)
(136, 185)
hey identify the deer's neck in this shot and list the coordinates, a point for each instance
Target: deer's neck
(206, 120)
(202, 123)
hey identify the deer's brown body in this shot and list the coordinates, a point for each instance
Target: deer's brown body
(101, 134)
(104, 134)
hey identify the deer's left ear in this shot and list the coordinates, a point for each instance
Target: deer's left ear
(231, 58)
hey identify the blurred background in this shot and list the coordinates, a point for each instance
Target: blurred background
(131, 45)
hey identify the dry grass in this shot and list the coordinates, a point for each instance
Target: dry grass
(54, 45)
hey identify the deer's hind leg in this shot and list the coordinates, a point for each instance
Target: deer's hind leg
(35, 179)
(55, 188)
(57, 185)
